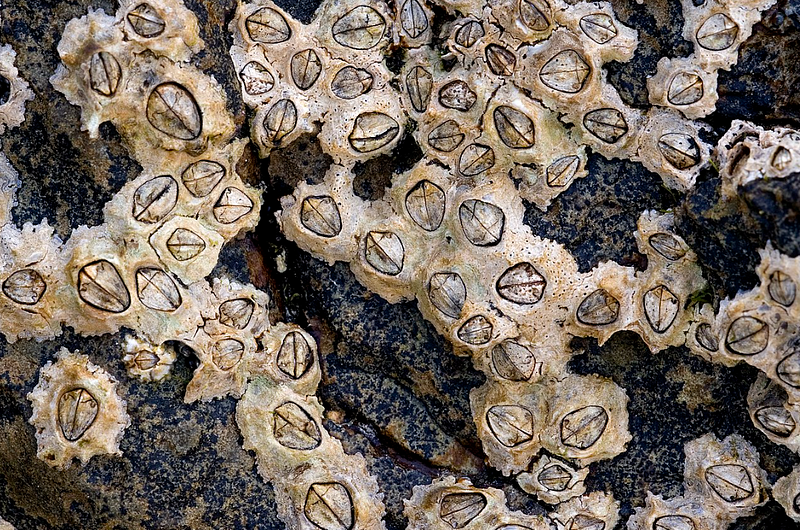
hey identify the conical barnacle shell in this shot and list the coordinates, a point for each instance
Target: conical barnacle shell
(165, 27)
(147, 361)
(553, 481)
(76, 411)
(448, 503)
(787, 492)
(595, 510)
(674, 513)
(772, 413)
(684, 86)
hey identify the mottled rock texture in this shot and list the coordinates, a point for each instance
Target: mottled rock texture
(392, 386)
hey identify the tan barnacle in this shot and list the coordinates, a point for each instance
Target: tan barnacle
(413, 22)
(677, 513)
(671, 146)
(772, 414)
(587, 419)
(165, 27)
(608, 125)
(682, 85)
(596, 511)
(747, 152)
(600, 30)
(510, 418)
(602, 306)
(14, 91)
(31, 273)
(147, 361)
(317, 486)
(787, 492)
(553, 481)
(291, 357)
(448, 504)
(725, 473)
(76, 411)
(525, 20)
(188, 248)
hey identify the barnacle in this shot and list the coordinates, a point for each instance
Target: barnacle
(14, 91)
(787, 492)
(77, 412)
(148, 362)
(553, 481)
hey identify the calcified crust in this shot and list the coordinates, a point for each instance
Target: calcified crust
(77, 412)
(722, 482)
(716, 28)
(12, 110)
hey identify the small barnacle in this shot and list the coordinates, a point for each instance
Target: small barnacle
(105, 73)
(256, 78)
(788, 368)
(447, 293)
(598, 309)
(184, 244)
(475, 159)
(448, 504)
(172, 109)
(351, 82)
(146, 361)
(157, 290)
(385, 252)
(295, 356)
(146, 21)
(685, 88)
(776, 420)
(607, 124)
(513, 361)
(155, 199)
(706, 338)
(679, 149)
(661, 307)
(201, 177)
(482, 222)
(535, 14)
(476, 331)
(747, 336)
(582, 427)
(717, 33)
(373, 131)
(521, 284)
(76, 411)
(232, 205)
(459, 509)
(500, 60)
(782, 288)
(561, 171)
(667, 245)
(514, 128)
(361, 28)
(321, 215)
(682, 84)
(419, 83)
(226, 353)
(413, 19)
(101, 286)
(295, 428)
(425, 203)
(599, 27)
(567, 71)
(280, 120)
(24, 286)
(469, 33)
(306, 67)
(553, 481)
(329, 506)
(457, 95)
(446, 136)
(595, 511)
(268, 26)
(782, 158)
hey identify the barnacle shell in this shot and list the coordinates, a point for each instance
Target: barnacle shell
(772, 414)
(553, 481)
(145, 361)
(787, 492)
(12, 110)
(76, 411)
(595, 510)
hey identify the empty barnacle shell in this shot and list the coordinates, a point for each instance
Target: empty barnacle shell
(425, 203)
(419, 83)
(482, 222)
(226, 353)
(512, 425)
(201, 177)
(667, 245)
(25, 286)
(680, 150)
(172, 109)
(280, 120)
(598, 309)
(146, 21)
(447, 293)
(294, 428)
(268, 26)
(361, 28)
(459, 509)
(567, 72)
(372, 131)
(476, 331)
(661, 307)
(535, 14)
(413, 19)
(515, 129)
(351, 82)
(76, 411)
(513, 361)
(782, 158)
(582, 428)
(469, 33)
(717, 33)
(561, 171)
(105, 73)
(295, 356)
(446, 136)
(157, 290)
(599, 27)
(236, 312)
(232, 205)
(305, 68)
(475, 159)
(256, 78)
(685, 88)
(457, 95)
(782, 288)
(385, 252)
(500, 60)
(607, 124)
(329, 506)
(155, 199)
(747, 336)
(321, 215)
(101, 286)
(521, 284)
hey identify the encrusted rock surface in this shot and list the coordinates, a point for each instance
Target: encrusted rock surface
(389, 383)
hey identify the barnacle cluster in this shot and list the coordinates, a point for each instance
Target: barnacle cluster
(505, 114)
(722, 482)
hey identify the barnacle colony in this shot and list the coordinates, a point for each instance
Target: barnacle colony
(505, 115)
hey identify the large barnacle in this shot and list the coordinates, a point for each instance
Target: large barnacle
(76, 411)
